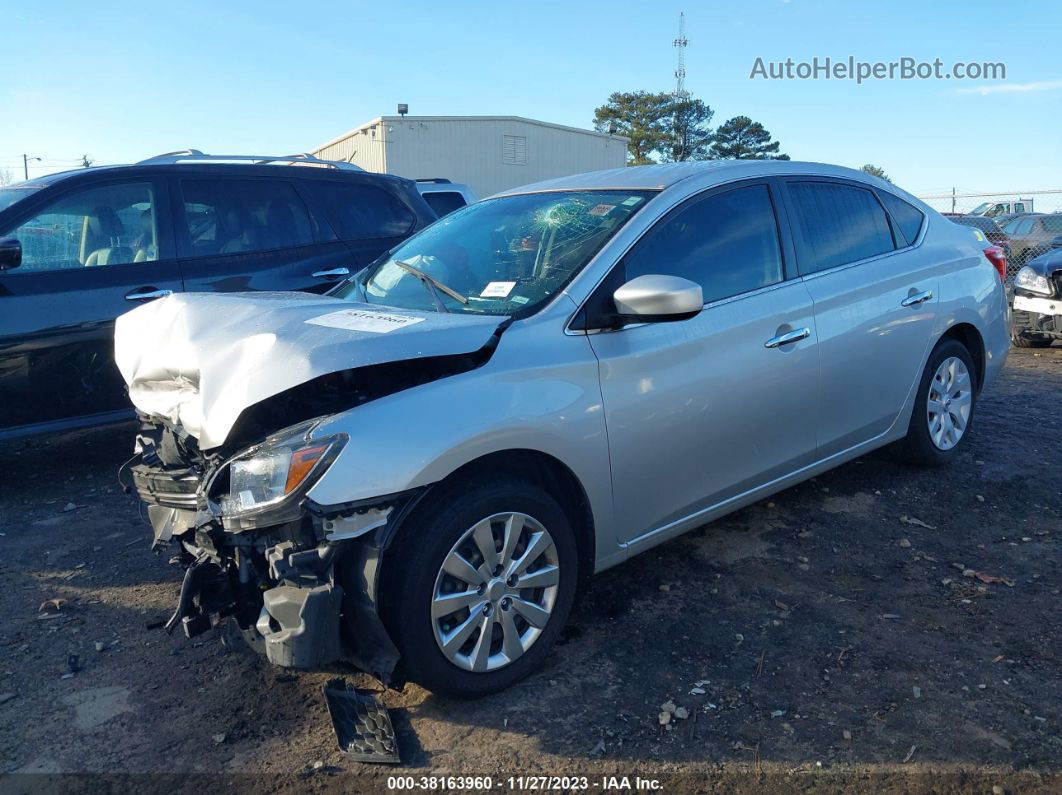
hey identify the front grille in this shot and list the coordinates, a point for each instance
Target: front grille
(173, 488)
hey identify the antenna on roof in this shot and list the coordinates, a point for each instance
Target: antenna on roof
(680, 73)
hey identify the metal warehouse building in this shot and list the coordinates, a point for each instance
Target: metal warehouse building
(487, 153)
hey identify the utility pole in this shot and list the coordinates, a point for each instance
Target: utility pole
(953, 199)
(25, 164)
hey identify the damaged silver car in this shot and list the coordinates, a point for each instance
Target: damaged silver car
(416, 473)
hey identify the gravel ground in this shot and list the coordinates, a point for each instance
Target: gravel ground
(877, 629)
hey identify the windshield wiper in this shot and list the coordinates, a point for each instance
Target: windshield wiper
(433, 285)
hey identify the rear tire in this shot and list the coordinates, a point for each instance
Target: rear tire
(415, 581)
(928, 441)
(1019, 341)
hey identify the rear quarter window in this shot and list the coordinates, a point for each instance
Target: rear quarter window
(909, 218)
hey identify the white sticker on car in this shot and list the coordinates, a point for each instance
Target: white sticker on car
(363, 320)
(602, 209)
(497, 289)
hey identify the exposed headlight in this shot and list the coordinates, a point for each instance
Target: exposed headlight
(266, 476)
(1028, 279)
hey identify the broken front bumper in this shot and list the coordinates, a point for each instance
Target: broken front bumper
(1037, 316)
(303, 592)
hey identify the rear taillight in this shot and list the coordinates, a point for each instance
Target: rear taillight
(998, 258)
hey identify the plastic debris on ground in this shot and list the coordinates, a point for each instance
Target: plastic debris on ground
(362, 726)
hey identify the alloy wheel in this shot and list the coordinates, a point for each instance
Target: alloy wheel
(949, 403)
(495, 592)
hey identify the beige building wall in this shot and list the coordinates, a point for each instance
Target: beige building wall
(487, 153)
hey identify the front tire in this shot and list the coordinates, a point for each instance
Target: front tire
(479, 585)
(944, 407)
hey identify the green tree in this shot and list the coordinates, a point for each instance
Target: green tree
(639, 116)
(687, 135)
(741, 138)
(876, 171)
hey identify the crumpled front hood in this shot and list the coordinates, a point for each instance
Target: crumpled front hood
(198, 360)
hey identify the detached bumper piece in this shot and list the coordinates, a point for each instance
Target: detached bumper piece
(362, 726)
(300, 626)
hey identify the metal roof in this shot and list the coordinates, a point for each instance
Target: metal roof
(417, 119)
(658, 177)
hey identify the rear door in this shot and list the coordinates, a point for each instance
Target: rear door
(242, 233)
(89, 254)
(702, 410)
(875, 304)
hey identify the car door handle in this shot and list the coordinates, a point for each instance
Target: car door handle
(148, 295)
(790, 336)
(335, 273)
(917, 298)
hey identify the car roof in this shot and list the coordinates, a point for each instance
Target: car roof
(227, 168)
(660, 176)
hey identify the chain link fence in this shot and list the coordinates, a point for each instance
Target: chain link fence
(1024, 223)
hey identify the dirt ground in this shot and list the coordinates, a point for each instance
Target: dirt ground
(847, 634)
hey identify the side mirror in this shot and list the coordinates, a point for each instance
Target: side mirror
(10, 253)
(653, 298)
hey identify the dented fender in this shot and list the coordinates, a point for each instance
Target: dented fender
(419, 436)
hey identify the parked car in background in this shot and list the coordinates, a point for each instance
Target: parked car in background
(1006, 218)
(426, 464)
(1036, 320)
(992, 209)
(444, 196)
(84, 246)
(1032, 235)
(987, 225)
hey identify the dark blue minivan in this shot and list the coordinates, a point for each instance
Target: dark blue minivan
(79, 248)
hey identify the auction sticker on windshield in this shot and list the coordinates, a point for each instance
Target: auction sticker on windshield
(497, 289)
(362, 320)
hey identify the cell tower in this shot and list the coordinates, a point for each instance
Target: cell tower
(680, 73)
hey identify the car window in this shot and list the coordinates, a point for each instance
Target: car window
(502, 256)
(237, 216)
(1018, 208)
(364, 212)
(1052, 223)
(1022, 226)
(9, 196)
(909, 218)
(726, 242)
(444, 202)
(840, 223)
(108, 225)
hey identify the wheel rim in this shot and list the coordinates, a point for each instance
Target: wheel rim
(949, 403)
(495, 592)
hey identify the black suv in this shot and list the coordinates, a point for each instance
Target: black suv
(78, 249)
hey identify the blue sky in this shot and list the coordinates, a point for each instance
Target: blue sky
(124, 80)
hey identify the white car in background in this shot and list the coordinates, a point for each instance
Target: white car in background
(444, 196)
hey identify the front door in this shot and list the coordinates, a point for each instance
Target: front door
(88, 255)
(702, 410)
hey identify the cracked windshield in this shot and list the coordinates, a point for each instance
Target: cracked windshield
(499, 257)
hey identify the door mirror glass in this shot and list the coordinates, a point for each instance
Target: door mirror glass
(655, 298)
(10, 253)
